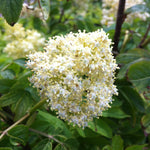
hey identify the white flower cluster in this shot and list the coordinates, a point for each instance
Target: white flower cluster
(82, 6)
(109, 11)
(76, 75)
(28, 11)
(20, 41)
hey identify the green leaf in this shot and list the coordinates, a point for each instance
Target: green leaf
(10, 98)
(117, 143)
(81, 132)
(5, 85)
(137, 8)
(18, 134)
(44, 144)
(129, 58)
(22, 82)
(146, 120)
(45, 4)
(123, 71)
(132, 97)
(21, 62)
(147, 130)
(60, 147)
(11, 9)
(31, 119)
(107, 147)
(136, 147)
(115, 112)
(97, 140)
(50, 124)
(72, 144)
(7, 74)
(6, 148)
(132, 55)
(101, 127)
(4, 62)
(20, 100)
(22, 105)
(139, 75)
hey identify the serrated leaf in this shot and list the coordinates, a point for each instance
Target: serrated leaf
(45, 4)
(50, 124)
(22, 105)
(117, 143)
(60, 147)
(5, 85)
(6, 148)
(31, 119)
(115, 112)
(137, 8)
(22, 82)
(107, 147)
(132, 97)
(71, 144)
(11, 9)
(132, 55)
(21, 62)
(101, 127)
(139, 75)
(18, 134)
(10, 98)
(44, 144)
(146, 120)
(136, 147)
(7, 74)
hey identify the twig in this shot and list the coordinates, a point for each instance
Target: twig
(41, 8)
(40, 103)
(144, 37)
(61, 15)
(120, 19)
(5, 67)
(46, 135)
(16, 123)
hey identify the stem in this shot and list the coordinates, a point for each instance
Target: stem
(144, 37)
(61, 15)
(46, 135)
(40, 103)
(40, 8)
(120, 19)
(23, 118)
(146, 42)
(5, 67)
(16, 123)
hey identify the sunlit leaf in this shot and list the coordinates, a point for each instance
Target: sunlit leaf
(101, 127)
(137, 8)
(117, 143)
(18, 134)
(11, 9)
(136, 147)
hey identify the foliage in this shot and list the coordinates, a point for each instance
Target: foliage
(126, 125)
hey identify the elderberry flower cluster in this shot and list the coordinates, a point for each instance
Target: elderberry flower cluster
(20, 41)
(109, 11)
(76, 75)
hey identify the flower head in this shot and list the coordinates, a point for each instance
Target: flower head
(20, 41)
(76, 75)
